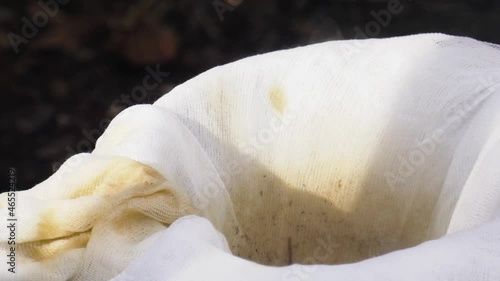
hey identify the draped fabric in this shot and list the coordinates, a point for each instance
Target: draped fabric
(372, 159)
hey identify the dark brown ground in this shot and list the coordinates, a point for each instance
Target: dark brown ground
(64, 80)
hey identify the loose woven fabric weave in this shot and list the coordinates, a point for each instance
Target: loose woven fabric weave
(378, 159)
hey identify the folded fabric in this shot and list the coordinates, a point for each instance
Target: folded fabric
(334, 161)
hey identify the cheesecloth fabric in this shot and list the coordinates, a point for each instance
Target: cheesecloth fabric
(357, 160)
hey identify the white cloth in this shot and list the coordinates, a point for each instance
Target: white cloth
(337, 153)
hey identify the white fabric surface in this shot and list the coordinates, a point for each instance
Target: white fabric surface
(348, 153)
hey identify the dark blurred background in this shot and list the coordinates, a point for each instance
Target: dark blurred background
(69, 66)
